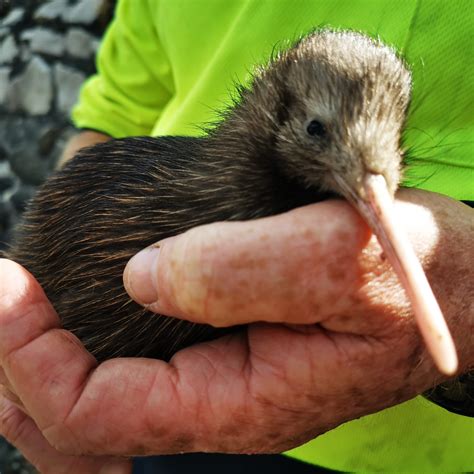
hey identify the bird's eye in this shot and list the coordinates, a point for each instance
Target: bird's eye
(316, 129)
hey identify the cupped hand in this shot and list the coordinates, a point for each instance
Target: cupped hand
(331, 339)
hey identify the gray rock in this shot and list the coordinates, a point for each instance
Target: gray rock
(32, 139)
(68, 82)
(47, 140)
(3, 157)
(32, 91)
(5, 169)
(4, 31)
(4, 83)
(25, 53)
(8, 50)
(14, 17)
(6, 211)
(14, 133)
(95, 45)
(21, 197)
(6, 183)
(84, 12)
(27, 35)
(28, 167)
(51, 10)
(13, 99)
(79, 43)
(45, 41)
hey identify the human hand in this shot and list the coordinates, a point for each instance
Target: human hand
(229, 274)
(267, 389)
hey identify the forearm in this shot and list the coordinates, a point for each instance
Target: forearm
(81, 140)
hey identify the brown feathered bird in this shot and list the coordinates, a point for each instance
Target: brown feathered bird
(323, 118)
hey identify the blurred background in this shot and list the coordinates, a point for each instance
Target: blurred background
(47, 50)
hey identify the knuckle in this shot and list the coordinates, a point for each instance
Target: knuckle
(62, 439)
(13, 422)
(191, 270)
(3, 377)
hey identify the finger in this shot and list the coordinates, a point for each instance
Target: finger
(21, 431)
(297, 267)
(3, 379)
(7, 390)
(28, 323)
(5, 383)
(7, 393)
(76, 408)
(124, 406)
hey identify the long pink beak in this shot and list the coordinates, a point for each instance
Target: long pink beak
(378, 210)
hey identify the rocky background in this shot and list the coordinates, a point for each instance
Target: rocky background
(47, 50)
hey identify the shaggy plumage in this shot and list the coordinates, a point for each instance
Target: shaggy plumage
(333, 104)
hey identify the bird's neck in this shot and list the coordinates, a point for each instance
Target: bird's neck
(247, 168)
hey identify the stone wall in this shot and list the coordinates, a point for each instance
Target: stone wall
(47, 50)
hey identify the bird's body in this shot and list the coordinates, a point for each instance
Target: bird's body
(111, 201)
(324, 117)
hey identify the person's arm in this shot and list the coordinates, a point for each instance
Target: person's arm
(81, 140)
(131, 87)
(266, 389)
(133, 83)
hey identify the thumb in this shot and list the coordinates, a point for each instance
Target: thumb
(295, 267)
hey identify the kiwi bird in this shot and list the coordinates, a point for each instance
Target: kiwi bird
(322, 118)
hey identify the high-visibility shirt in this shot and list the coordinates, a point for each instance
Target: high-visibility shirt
(165, 68)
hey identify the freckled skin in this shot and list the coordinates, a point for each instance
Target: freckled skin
(269, 297)
(116, 198)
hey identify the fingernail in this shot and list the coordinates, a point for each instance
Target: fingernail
(139, 276)
(117, 467)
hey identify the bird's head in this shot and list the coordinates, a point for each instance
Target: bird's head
(332, 109)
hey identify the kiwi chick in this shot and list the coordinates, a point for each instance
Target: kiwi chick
(331, 106)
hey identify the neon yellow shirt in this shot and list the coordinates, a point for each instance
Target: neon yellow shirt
(167, 66)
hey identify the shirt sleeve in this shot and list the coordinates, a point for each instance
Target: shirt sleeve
(134, 81)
